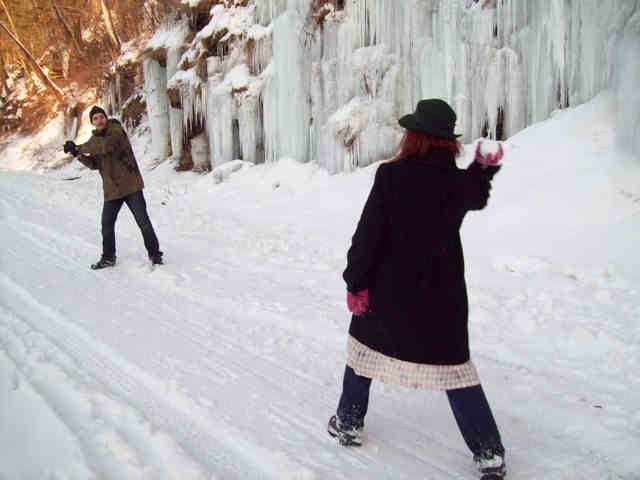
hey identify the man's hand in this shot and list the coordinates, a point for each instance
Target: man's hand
(70, 148)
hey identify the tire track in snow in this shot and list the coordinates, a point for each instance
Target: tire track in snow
(106, 430)
(65, 459)
(220, 447)
(116, 441)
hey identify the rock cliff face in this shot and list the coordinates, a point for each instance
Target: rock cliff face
(326, 80)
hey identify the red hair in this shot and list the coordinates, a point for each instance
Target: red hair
(417, 144)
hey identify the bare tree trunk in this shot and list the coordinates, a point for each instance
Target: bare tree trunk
(32, 61)
(108, 21)
(152, 17)
(66, 26)
(6, 12)
(4, 87)
(15, 32)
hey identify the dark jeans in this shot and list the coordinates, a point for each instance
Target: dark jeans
(138, 207)
(469, 405)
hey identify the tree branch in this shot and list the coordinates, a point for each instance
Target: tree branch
(38, 69)
(108, 21)
(66, 26)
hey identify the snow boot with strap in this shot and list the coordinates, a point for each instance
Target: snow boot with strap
(104, 262)
(156, 258)
(491, 466)
(347, 435)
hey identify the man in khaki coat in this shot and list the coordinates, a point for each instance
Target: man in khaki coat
(109, 151)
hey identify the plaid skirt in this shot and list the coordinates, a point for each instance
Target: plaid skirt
(369, 363)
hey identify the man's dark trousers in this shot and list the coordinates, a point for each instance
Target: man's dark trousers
(138, 207)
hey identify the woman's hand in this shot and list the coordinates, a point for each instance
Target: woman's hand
(488, 158)
(358, 303)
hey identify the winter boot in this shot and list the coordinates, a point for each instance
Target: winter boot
(491, 466)
(156, 258)
(348, 436)
(104, 262)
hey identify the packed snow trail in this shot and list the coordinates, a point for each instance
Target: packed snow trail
(227, 361)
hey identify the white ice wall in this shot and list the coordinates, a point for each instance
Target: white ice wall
(520, 59)
(333, 93)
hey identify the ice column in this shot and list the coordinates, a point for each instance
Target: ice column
(155, 87)
(219, 121)
(175, 114)
(250, 126)
(627, 85)
(200, 152)
(286, 105)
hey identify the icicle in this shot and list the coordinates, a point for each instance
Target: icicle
(110, 95)
(260, 48)
(118, 92)
(494, 94)
(175, 114)
(193, 97)
(73, 131)
(513, 105)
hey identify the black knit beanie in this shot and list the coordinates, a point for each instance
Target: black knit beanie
(96, 109)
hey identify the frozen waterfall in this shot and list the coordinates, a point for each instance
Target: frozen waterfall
(326, 81)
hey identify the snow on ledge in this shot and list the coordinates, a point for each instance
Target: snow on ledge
(235, 20)
(169, 35)
(185, 77)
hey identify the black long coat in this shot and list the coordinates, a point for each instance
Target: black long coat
(407, 251)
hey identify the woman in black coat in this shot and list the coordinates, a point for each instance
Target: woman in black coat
(406, 286)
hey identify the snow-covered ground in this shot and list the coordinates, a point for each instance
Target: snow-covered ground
(226, 362)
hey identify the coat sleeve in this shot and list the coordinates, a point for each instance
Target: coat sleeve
(365, 244)
(90, 162)
(476, 185)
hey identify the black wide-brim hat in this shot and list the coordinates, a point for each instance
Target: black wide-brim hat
(434, 117)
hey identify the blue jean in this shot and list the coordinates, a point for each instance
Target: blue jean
(138, 207)
(469, 405)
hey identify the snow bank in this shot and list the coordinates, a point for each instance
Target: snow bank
(40, 152)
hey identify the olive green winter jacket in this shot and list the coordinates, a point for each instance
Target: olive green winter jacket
(110, 152)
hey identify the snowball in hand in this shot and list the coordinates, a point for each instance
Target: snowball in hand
(489, 147)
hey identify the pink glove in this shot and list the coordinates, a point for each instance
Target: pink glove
(358, 303)
(490, 159)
